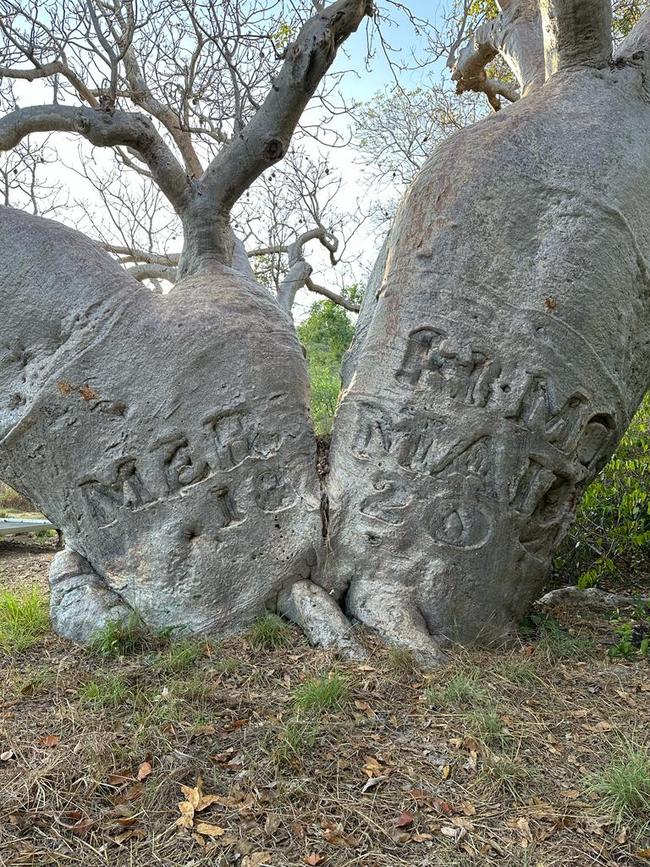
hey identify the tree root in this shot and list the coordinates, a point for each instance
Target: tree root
(320, 618)
(396, 619)
(81, 603)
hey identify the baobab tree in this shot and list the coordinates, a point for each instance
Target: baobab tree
(499, 355)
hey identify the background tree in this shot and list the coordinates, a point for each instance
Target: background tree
(326, 334)
(191, 416)
(468, 429)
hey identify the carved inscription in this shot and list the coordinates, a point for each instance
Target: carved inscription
(458, 524)
(389, 502)
(225, 508)
(180, 467)
(274, 492)
(567, 444)
(448, 366)
(236, 438)
(174, 463)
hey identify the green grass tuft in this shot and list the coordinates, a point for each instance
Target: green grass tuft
(402, 662)
(515, 670)
(487, 726)
(295, 741)
(122, 637)
(624, 785)
(180, 656)
(502, 774)
(327, 692)
(227, 665)
(23, 618)
(112, 691)
(269, 632)
(462, 689)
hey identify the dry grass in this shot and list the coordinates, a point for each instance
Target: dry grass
(499, 759)
(12, 501)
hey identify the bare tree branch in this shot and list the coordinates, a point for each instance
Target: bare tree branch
(48, 70)
(515, 34)
(637, 43)
(141, 95)
(145, 271)
(103, 129)
(265, 139)
(134, 254)
(333, 296)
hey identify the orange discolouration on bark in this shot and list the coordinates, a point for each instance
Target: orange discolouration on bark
(84, 391)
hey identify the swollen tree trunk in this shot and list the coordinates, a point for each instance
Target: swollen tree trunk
(507, 351)
(168, 437)
(501, 351)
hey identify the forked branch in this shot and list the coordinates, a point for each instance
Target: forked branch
(265, 139)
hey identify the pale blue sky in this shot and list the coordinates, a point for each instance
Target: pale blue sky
(402, 37)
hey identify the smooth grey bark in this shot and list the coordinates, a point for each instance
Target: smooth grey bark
(501, 351)
(505, 355)
(168, 437)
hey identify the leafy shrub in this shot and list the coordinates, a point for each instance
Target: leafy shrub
(611, 534)
(326, 335)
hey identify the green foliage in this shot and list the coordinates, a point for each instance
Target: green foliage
(326, 335)
(611, 534)
(462, 689)
(109, 692)
(283, 36)
(624, 784)
(327, 692)
(180, 656)
(625, 14)
(122, 637)
(13, 501)
(296, 739)
(633, 637)
(23, 618)
(269, 632)
(556, 644)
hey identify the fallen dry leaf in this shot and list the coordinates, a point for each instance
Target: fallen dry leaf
(133, 793)
(314, 859)
(258, 859)
(404, 821)
(443, 808)
(599, 728)
(49, 741)
(119, 778)
(372, 767)
(131, 834)
(144, 770)
(82, 827)
(209, 830)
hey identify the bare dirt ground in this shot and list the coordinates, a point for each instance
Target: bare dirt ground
(204, 754)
